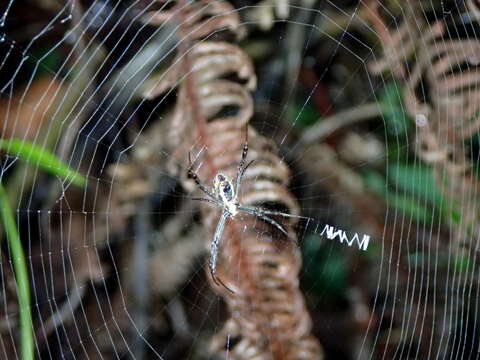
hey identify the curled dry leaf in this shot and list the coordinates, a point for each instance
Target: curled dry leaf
(268, 316)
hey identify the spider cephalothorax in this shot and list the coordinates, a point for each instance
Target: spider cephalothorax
(225, 195)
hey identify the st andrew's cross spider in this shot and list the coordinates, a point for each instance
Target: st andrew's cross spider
(225, 195)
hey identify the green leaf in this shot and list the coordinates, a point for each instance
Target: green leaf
(325, 268)
(413, 190)
(416, 259)
(455, 216)
(402, 202)
(462, 262)
(303, 115)
(376, 182)
(417, 181)
(410, 206)
(396, 120)
(50, 61)
(36, 155)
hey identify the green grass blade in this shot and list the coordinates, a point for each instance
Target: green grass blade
(47, 161)
(21, 276)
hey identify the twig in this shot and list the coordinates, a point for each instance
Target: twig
(329, 125)
(66, 311)
(138, 278)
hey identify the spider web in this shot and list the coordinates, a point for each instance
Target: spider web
(117, 275)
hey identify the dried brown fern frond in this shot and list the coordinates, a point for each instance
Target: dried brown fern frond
(474, 7)
(450, 117)
(397, 46)
(267, 10)
(448, 66)
(440, 93)
(211, 60)
(439, 74)
(269, 319)
(204, 17)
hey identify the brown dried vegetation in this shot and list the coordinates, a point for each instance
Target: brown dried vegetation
(440, 74)
(268, 317)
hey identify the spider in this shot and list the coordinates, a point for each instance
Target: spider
(224, 194)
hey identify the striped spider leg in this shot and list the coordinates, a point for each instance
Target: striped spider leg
(225, 196)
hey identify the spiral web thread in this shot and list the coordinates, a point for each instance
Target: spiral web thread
(135, 86)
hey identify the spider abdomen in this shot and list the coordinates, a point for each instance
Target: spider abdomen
(227, 191)
(223, 186)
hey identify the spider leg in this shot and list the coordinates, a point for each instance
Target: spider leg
(244, 152)
(210, 201)
(193, 175)
(240, 176)
(219, 282)
(241, 165)
(262, 211)
(264, 218)
(214, 250)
